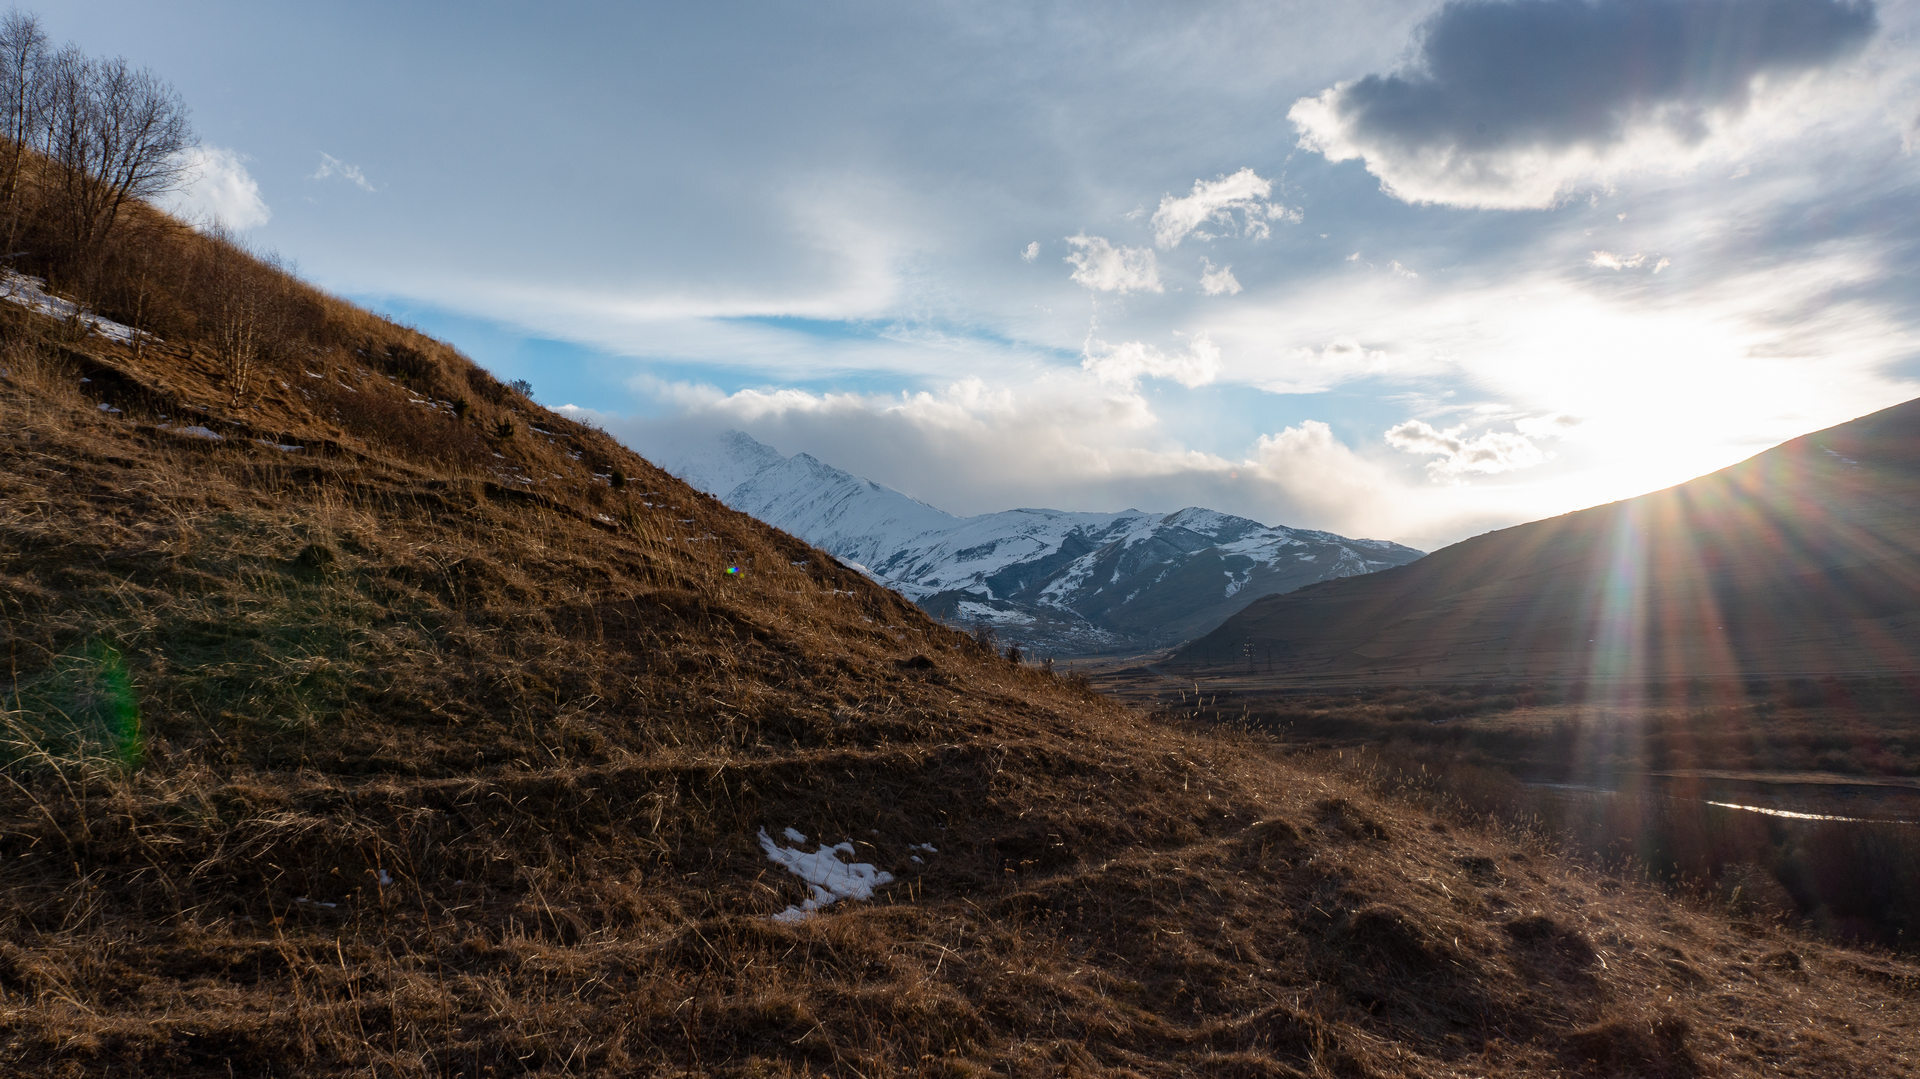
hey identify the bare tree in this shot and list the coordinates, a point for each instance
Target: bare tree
(113, 132)
(23, 61)
(249, 305)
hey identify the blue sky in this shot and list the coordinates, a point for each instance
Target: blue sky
(1404, 269)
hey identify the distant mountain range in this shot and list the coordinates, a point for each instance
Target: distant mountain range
(1801, 561)
(1052, 581)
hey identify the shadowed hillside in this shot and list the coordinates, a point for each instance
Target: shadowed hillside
(362, 717)
(1803, 560)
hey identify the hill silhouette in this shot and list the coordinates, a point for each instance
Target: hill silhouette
(1803, 560)
(363, 717)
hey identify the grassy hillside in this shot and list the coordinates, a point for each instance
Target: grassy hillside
(1799, 562)
(407, 728)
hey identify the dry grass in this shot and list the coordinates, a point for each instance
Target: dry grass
(369, 758)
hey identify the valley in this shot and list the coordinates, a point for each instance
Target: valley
(1807, 789)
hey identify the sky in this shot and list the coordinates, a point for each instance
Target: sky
(1405, 270)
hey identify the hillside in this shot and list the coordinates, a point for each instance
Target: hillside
(1799, 561)
(1052, 581)
(364, 718)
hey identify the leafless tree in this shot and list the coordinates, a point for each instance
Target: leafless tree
(249, 304)
(23, 61)
(113, 132)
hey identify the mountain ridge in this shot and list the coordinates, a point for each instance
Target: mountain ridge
(1055, 581)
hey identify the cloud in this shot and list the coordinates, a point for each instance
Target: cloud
(1067, 441)
(1325, 477)
(1607, 260)
(1217, 282)
(1101, 266)
(1213, 206)
(1126, 363)
(218, 192)
(331, 166)
(1458, 456)
(968, 446)
(1031, 251)
(1308, 370)
(1509, 105)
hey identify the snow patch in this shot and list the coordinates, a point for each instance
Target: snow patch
(830, 873)
(29, 293)
(970, 611)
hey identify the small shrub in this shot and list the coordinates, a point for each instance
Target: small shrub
(984, 636)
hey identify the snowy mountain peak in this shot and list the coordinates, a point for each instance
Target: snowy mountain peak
(733, 458)
(1055, 580)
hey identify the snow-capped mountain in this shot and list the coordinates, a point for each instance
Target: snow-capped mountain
(1052, 581)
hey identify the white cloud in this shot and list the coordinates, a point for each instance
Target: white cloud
(1458, 456)
(1217, 281)
(968, 446)
(1104, 267)
(1328, 480)
(1127, 363)
(1309, 370)
(1031, 251)
(1607, 260)
(331, 166)
(1212, 207)
(1070, 441)
(218, 191)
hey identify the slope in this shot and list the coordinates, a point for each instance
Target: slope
(1052, 581)
(1798, 561)
(405, 728)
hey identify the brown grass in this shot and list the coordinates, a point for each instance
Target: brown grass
(372, 758)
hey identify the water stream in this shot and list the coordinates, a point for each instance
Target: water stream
(1895, 798)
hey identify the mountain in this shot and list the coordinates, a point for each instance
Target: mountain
(1049, 580)
(1802, 560)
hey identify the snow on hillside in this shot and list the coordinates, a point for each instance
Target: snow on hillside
(1051, 580)
(30, 292)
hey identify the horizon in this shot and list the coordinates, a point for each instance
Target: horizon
(1410, 273)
